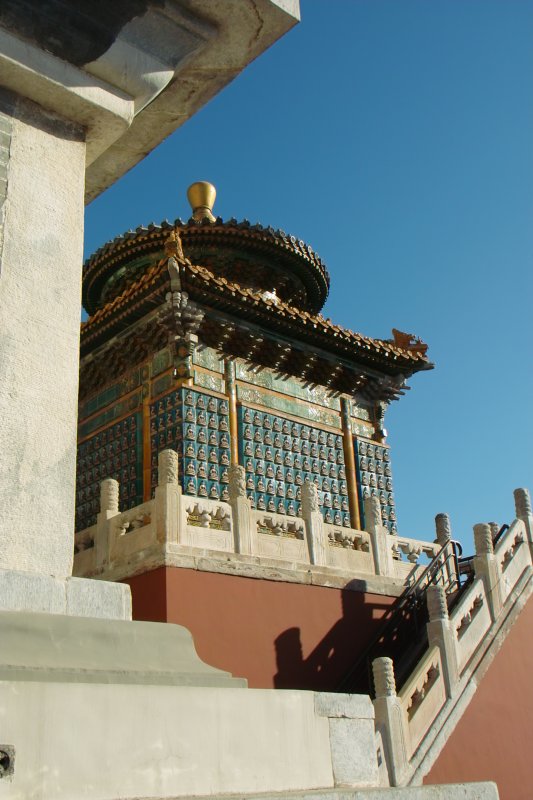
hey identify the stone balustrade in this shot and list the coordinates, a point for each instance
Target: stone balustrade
(459, 643)
(176, 523)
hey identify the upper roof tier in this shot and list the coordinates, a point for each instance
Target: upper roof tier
(258, 258)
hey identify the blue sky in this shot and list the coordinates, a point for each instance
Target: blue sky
(395, 137)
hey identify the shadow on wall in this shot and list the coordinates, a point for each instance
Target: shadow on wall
(329, 662)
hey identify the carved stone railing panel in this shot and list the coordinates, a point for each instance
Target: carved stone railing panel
(279, 525)
(412, 549)
(205, 513)
(470, 621)
(422, 697)
(513, 556)
(348, 538)
(133, 519)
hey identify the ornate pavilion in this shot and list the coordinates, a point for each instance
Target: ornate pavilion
(206, 337)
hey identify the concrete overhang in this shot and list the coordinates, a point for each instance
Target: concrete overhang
(134, 76)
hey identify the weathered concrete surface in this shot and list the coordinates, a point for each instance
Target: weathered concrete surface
(234, 33)
(455, 791)
(56, 647)
(132, 74)
(29, 591)
(105, 742)
(39, 340)
(351, 736)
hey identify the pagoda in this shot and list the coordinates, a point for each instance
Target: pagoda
(227, 428)
(206, 337)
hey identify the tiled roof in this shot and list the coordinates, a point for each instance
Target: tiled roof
(403, 352)
(292, 255)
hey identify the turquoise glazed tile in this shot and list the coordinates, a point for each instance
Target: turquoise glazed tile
(208, 358)
(289, 406)
(280, 455)
(196, 426)
(294, 387)
(374, 478)
(114, 452)
(209, 381)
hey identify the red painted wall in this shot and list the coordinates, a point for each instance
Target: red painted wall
(494, 738)
(274, 634)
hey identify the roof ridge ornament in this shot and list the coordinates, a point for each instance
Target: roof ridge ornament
(202, 195)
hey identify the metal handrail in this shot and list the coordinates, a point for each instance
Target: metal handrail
(409, 611)
(500, 534)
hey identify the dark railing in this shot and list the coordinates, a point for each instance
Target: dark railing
(466, 568)
(402, 635)
(500, 534)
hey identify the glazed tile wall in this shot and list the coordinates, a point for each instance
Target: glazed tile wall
(374, 478)
(279, 455)
(196, 425)
(115, 452)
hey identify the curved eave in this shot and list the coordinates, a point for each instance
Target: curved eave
(240, 302)
(298, 257)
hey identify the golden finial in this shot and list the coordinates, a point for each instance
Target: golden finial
(201, 196)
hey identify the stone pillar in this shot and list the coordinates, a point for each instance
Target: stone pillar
(167, 497)
(486, 567)
(522, 502)
(379, 537)
(390, 720)
(494, 529)
(317, 542)
(349, 459)
(41, 252)
(109, 497)
(241, 510)
(442, 634)
(443, 529)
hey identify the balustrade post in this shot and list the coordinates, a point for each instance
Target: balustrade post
(442, 634)
(390, 720)
(522, 501)
(241, 511)
(443, 529)
(109, 499)
(167, 501)
(486, 567)
(379, 537)
(314, 525)
(494, 529)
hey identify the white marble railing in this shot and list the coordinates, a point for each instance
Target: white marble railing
(458, 641)
(178, 521)
(422, 698)
(413, 549)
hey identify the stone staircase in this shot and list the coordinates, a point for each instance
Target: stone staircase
(429, 656)
(414, 718)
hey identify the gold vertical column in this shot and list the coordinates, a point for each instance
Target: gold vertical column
(146, 443)
(349, 459)
(231, 391)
